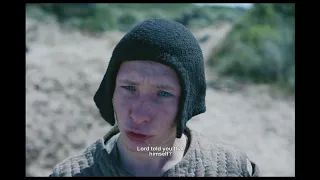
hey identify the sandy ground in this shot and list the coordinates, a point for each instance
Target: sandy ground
(64, 69)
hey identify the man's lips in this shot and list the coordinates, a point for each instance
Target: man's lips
(135, 136)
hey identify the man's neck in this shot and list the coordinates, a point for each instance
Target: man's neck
(142, 164)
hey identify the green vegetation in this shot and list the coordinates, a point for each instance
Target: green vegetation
(261, 47)
(104, 17)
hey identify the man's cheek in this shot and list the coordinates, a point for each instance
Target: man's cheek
(120, 101)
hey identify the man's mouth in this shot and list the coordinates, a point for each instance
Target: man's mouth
(137, 136)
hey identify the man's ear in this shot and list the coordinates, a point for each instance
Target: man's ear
(114, 114)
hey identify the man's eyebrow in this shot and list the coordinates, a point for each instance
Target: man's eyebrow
(127, 81)
(164, 86)
(159, 86)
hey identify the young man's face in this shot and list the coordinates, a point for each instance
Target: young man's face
(146, 100)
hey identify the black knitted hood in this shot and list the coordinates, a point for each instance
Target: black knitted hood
(167, 42)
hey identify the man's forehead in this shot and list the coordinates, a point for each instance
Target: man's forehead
(144, 63)
(153, 73)
(136, 78)
(146, 68)
(160, 85)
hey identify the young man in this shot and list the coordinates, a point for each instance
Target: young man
(154, 84)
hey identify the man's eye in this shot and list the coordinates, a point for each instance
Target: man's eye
(164, 94)
(130, 88)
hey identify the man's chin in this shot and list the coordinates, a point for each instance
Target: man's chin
(135, 146)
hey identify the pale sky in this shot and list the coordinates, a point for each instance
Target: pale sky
(245, 5)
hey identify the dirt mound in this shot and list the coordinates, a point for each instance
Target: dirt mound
(63, 70)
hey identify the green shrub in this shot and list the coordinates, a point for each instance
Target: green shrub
(37, 13)
(103, 17)
(261, 46)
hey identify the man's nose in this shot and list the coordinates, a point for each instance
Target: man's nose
(141, 112)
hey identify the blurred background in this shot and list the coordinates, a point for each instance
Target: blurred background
(249, 51)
